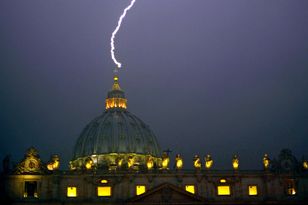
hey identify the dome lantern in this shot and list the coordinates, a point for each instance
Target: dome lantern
(116, 97)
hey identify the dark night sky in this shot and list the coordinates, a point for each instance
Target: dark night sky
(219, 77)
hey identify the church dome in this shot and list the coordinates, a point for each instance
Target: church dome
(115, 135)
(116, 131)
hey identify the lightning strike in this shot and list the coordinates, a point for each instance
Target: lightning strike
(115, 32)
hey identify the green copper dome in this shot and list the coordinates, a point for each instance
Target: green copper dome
(116, 133)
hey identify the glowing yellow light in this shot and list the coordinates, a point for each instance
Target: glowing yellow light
(119, 162)
(49, 167)
(208, 161)
(88, 165)
(291, 191)
(103, 191)
(235, 165)
(116, 102)
(112, 158)
(71, 191)
(305, 164)
(130, 162)
(223, 190)
(165, 163)
(266, 161)
(54, 163)
(178, 162)
(235, 162)
(223, 180)
(140, 189)
(190, 188)
(104, 181)
(197, 162)
(115, 78)
(252, 190)
(150, 163)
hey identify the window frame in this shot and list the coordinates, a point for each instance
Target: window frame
(290, 188)
(290, 184)
(35, 193)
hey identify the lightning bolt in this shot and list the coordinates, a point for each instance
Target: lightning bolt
(114, 33)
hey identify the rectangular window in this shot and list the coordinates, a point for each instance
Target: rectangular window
(140, 189)
(71, 191)
(252, 190)
(30, 189)
(223, 190)
(190, 188)
(291, 187)
(104, 191)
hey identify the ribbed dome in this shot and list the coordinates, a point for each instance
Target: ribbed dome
(116, 131)
(116, 135)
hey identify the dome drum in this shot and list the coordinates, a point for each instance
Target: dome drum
(116, 161)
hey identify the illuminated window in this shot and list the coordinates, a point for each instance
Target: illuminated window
(104, 181)
(291, 191)
(223, 190)
(222, 180)
(30, 189)
(140, 189)
(104, 191)
(190, 188)
(252, 190)
(71, 191)
(290, 187)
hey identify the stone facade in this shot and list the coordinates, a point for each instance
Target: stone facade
(277, 185)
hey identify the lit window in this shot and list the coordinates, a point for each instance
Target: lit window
(140, 189)
(223, 190)
(104, 181)
(104, 191)
(290, 188)
(291, 191)
(222, 180)
(252, 190)
(71, 191)
(190, 188)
